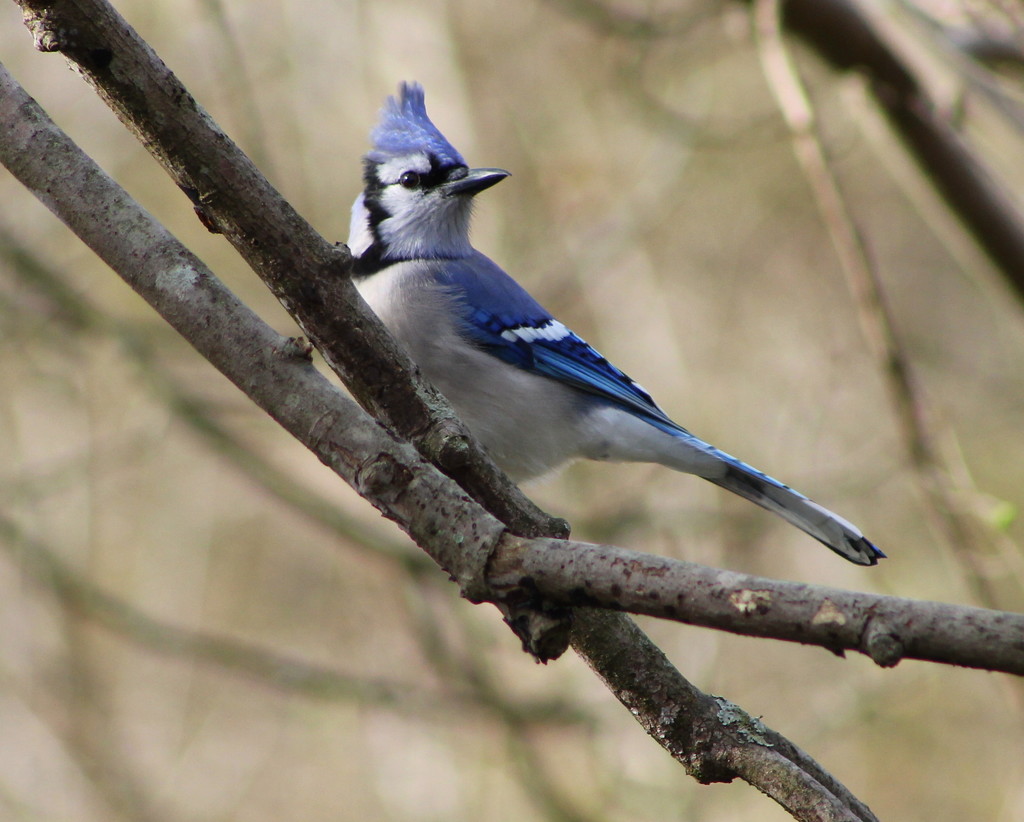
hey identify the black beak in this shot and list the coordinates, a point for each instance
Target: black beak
(475, 181)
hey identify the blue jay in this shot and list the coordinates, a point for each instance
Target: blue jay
(533, 393)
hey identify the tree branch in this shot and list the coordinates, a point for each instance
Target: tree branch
(712, 738)
(885, 628)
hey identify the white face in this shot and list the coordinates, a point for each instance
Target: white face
(422, 220)
(392, 171)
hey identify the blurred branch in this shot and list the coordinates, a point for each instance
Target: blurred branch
(239, 86)
(83, 719)
(471, 668)
(849, 35)
(608, 19)
(989, 47)
(853, 35)
(861, 277)
(265, 667)
(456, 532)
(964, 529)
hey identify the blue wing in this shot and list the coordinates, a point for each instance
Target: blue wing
(501, 317)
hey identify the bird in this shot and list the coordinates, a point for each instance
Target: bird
(532, 392)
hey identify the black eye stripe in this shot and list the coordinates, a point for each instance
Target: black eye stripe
(437, 175)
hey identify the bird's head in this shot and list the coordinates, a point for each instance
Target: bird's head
(418, 191)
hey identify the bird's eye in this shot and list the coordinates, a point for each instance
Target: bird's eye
(409, 179)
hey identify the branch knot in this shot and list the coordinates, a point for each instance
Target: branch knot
(882, 644)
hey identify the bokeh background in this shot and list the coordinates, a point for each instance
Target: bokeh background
(199, 622)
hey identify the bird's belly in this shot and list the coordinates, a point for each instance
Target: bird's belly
(523, 420)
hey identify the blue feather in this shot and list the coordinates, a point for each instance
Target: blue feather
(405, 128)
(503, 318)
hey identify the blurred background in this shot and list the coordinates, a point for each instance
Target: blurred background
(199, 622)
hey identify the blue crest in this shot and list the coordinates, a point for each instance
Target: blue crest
(405, 128)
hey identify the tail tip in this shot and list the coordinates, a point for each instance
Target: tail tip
(863, 552)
